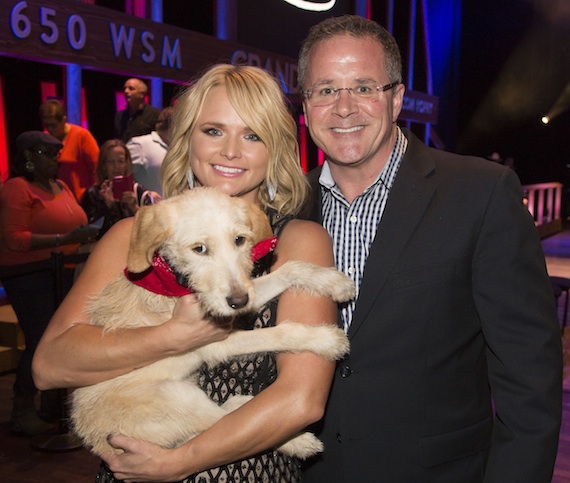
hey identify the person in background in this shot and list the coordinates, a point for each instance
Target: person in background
(148, 151)
(454, 372)
(105, 205)
(38, 215)
(80, 149)
(138, 117)
(232, 130)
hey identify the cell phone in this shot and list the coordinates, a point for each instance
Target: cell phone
(122, 184)
(98, 223)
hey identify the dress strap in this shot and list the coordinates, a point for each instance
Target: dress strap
(278, 221)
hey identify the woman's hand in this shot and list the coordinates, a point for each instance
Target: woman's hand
(129, 200)
(190, 329)
(142, 461)
(106, 192)
(155, 197)
(82, 234)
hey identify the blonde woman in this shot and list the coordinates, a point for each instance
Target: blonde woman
(231, 130)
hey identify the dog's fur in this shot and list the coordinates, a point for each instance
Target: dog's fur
(207, 237)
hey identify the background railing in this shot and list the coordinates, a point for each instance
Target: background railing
(544, 201)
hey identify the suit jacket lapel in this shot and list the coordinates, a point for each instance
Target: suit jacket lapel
(312, 210)
(409, 198)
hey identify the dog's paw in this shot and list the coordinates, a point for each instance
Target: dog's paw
(333, 344)
(302, 446)
(326, 281)
(327, 341)
(343, 289)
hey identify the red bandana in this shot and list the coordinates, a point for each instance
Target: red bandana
(160, 277)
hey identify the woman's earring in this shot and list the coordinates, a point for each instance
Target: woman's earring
(271, 191)
(30, 167)
(190, 178)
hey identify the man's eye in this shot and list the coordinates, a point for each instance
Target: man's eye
(363, 89)
(325, 92)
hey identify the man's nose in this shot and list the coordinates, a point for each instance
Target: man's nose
(344, 103)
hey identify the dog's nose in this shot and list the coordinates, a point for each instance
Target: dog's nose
(237, 301)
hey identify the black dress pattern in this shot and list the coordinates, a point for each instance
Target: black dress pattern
(247, 375)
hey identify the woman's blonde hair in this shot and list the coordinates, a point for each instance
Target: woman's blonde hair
(259, 101)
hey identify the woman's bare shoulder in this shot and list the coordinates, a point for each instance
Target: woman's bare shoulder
(305, 240)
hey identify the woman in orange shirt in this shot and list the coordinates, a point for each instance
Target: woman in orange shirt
(78, 156)
(38, 215)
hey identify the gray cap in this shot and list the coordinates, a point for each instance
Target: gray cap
(29, 139)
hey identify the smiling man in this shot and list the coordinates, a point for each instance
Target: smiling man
(454, 309)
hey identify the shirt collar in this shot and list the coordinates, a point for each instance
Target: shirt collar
(157, 139)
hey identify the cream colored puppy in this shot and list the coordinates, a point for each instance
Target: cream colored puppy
(199, 241)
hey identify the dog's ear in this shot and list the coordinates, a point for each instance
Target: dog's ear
(150, 228)
(258, 222)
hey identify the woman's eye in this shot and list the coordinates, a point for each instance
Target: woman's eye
(212, 131)
(200, 249)
(239, 240)
(253, 137)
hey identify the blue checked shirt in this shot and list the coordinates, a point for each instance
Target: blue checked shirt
(352, 226)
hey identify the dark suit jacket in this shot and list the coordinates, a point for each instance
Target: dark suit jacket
(142, 122)
(455, 307)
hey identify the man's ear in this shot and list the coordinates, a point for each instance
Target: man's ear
(397, 101)
(305, 114)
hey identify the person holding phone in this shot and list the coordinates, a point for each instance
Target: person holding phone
(116, 195)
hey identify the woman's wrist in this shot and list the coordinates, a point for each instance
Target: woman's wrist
(61, 239)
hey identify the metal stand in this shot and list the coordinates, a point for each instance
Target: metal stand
(63, 440)
(57, 443)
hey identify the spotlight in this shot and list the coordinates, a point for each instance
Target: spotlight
(561, 105)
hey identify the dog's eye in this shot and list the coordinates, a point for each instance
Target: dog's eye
(240, 240)
(200, 249)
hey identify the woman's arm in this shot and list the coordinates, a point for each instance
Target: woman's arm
(80, 234)
(73, 353)
(98, 202)
(296, 399)
(16, 215)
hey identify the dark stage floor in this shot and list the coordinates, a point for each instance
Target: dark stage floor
(20, 463)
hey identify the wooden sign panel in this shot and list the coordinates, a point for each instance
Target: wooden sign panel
(72, 32)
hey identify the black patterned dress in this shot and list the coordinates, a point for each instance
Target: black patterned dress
(247, 375)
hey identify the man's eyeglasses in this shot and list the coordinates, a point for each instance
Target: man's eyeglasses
(50, 153)
(323, 95)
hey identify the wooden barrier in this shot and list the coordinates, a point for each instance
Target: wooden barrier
(544, 201)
